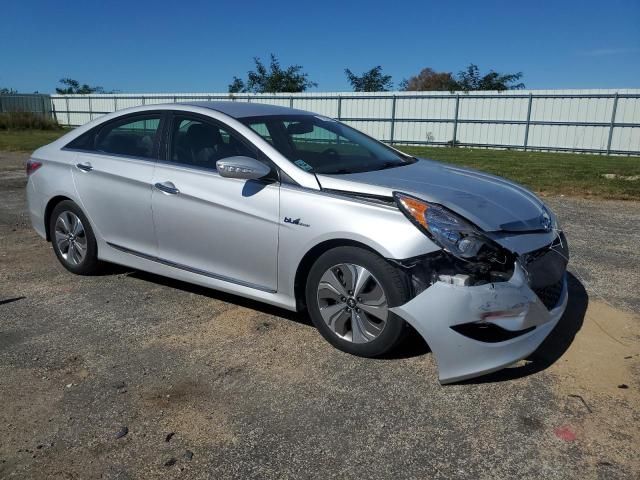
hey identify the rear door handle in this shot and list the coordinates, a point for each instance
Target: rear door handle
(85, 167)
(167, 187)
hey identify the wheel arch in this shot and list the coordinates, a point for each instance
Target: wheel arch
(51, 204)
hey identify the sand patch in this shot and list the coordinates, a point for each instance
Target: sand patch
(600, 415)
(232, 323)
(604, 354)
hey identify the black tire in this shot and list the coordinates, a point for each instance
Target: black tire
(89, 265)
(393, 282)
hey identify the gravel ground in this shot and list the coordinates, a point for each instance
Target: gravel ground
(130, 375)
(604, 237)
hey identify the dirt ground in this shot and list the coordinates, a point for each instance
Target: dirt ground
(199, 384)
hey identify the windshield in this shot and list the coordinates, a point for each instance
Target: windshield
(322, 145)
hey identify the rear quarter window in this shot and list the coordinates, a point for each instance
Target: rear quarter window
(131, 136)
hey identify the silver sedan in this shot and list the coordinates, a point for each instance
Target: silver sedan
(301, 211)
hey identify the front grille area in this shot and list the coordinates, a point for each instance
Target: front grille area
(546, 266)
(550, 295)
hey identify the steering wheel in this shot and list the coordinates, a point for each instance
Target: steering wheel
(330, 151)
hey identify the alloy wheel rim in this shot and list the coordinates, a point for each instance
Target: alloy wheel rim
(352, 303)
(70, 238)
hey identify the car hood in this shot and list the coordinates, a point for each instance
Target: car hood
(492, 203)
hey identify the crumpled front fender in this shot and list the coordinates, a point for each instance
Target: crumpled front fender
(511, 305)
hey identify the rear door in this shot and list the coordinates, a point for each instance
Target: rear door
(220, 227)
(113, 174)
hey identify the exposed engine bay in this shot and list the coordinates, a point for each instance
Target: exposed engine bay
(544, 267)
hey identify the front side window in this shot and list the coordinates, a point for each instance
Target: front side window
(199, 143)
(136, 137)
(322, 145)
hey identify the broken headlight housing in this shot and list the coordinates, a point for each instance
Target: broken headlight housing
(447, 229)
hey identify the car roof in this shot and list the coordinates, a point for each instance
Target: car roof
(246, 109)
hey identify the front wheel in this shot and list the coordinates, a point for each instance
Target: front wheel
(349, 293)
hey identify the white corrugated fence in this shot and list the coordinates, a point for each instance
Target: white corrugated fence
(594, 121)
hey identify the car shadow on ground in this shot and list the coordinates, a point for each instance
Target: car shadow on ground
(301, 318)
(413, 345)
(555, 345)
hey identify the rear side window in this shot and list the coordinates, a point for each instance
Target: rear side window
(136, 137)
(83, 142)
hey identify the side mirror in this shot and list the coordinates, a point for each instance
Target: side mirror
(245, 168)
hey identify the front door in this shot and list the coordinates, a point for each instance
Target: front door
(220, 227)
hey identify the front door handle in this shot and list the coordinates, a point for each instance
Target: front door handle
(167, 187)
(85, 167)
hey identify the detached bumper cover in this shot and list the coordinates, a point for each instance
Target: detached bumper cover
(511, 305)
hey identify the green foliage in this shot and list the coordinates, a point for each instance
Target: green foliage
(370, 81)
(470, 79)
(26, 121)
(273, 79)
(429, 79)
(27, 140)
(237, 86)
(467, 80)
(7, 91)
(72, 86)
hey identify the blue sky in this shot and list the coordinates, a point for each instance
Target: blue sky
(197, 46)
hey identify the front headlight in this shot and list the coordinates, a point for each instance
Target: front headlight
(448, 230)
(553, 218)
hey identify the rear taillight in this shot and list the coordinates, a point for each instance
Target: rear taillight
(32, 166)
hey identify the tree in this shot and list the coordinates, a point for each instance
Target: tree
(237, 86)
(429, 79)
(272, 80)
(72, 86)
(7, 91)
(470, 79)
(467, 80)
(371, 81)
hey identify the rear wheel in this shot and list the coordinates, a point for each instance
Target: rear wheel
(349, 293)
(73, 240)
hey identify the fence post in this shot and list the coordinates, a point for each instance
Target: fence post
(115, 104)
(54, 113)
(613, 122)
(339, 107)
(144, 100)
(526, 128)
(90, 110)
(45, 111)
(455, 121)
(393, 119)
(68, 113)
(291, 101)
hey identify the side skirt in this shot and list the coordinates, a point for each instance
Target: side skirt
(191, 269)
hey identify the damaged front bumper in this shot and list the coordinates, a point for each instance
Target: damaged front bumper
(474, 330)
